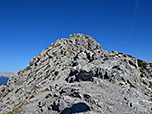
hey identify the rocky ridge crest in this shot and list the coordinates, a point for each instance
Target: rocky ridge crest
(75, 75)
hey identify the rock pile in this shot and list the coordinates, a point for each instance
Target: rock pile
(75, 75)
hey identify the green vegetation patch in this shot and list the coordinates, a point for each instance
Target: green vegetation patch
(27, 68)
(141, 63)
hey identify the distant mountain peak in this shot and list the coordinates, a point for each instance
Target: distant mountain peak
(8, 74)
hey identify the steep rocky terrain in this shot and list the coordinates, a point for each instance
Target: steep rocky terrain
(75, 75)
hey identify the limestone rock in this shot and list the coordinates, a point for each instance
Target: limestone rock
(75, 75)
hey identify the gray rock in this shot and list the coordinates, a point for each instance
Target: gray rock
(75, 75)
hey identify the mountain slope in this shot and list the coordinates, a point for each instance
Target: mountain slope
(75, 75)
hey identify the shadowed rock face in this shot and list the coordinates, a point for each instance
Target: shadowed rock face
(76, 108)
(75, 75)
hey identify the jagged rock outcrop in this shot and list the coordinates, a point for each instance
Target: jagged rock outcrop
(75, 75)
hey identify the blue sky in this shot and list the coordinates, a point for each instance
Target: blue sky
(29, 26)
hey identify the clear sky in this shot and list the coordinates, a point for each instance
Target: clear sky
(29, 26)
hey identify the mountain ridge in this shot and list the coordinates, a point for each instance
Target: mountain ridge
(75, 75)
(8, 74)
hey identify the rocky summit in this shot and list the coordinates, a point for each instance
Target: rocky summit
(76, 76)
